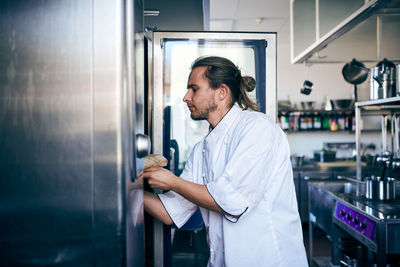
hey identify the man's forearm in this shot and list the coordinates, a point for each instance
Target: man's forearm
(196, 193)
(153, 205)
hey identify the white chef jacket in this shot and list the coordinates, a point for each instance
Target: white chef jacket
(245, 164)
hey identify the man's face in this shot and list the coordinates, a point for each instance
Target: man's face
(200, 97)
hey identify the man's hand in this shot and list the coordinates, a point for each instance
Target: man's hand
(160, 178)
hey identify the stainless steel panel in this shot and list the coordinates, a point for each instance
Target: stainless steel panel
(62, 135)
(133, 107)
(305, 178)
(45, 135)
(322, 203)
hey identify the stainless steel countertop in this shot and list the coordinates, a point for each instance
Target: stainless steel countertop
(339, 165)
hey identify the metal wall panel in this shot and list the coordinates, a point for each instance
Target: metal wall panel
(64, 121)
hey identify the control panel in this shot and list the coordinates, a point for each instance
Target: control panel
(355, 220)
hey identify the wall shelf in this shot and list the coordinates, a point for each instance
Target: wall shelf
(310, 120)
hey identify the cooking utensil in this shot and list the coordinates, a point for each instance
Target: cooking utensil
(377, 188)
(383, 80)
(307, 87)
(339, 104)
(355, 73)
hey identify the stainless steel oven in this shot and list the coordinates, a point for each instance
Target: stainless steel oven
(71, 94)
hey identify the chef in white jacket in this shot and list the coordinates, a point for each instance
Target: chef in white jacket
(239, 175)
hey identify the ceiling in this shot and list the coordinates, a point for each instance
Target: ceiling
(251, 15)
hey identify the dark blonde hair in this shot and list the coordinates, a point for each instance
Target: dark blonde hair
(222, 71)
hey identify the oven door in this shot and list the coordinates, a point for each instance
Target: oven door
(173, 131)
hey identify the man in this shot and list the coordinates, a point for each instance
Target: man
(239, 174)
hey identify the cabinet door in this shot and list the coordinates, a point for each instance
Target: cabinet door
(303, 28)
(332, 13)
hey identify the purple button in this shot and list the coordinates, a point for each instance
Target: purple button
(355, 220)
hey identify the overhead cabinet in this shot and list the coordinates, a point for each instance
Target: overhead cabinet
(337, 31)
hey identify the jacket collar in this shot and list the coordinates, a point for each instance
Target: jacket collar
(226, 121)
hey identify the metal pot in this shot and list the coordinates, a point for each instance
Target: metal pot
(383, 80)
(380, 189)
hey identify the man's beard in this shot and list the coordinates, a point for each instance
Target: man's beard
(203, 114)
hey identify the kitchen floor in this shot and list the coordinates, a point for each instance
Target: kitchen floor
(189, 248)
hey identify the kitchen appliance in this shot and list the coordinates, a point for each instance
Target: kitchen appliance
(72, 133)
(383, 80)
(374, 225)
(355, 73)
(254, 53)
(362, 231)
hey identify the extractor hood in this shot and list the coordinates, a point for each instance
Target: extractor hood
(369, 34)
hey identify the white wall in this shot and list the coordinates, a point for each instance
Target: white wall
(327, 78)
(329, 83)
(306, 143)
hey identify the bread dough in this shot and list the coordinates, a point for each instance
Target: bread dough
(155, 160)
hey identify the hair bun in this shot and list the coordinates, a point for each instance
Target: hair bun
(249, 83)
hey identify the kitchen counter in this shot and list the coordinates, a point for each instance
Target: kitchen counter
(345, 165)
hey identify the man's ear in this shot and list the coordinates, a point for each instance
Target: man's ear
(224, 92)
